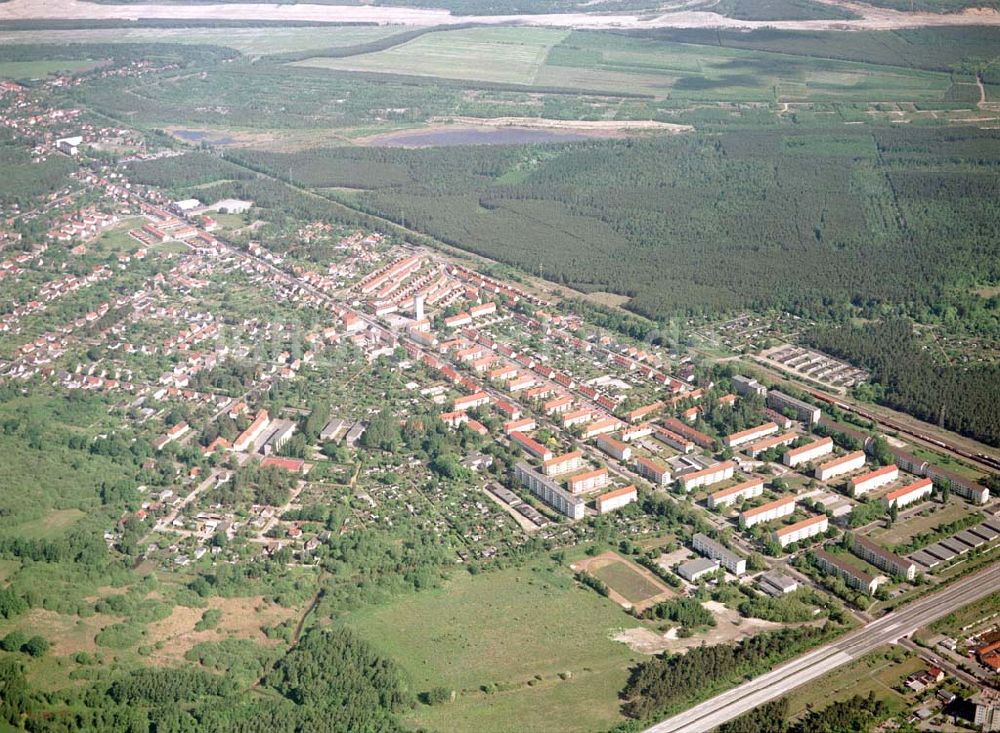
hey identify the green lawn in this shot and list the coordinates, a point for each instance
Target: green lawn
(504, 628)
(51, 525)
(903, 532)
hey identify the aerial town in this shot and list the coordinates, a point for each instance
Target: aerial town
(358, 417)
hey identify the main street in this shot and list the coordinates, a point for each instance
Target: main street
(782, 680)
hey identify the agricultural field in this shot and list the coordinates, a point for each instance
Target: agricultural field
(249, 41)
(508, 55)
(678, 72)
(503, 640)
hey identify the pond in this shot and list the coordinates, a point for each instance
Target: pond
(202, 136)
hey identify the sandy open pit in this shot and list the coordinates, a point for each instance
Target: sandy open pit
(871, 18)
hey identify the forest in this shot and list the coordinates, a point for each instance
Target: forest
(814, 222)
(962, 397)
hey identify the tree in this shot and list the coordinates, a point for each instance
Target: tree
(13, 641)
(36, 646)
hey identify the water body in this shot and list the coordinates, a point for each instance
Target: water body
(201, 136)
(475, 136)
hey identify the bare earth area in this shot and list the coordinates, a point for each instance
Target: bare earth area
(871, 18)
(729, 627)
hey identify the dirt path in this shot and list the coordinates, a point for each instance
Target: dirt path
(870, 18)
(982, 91)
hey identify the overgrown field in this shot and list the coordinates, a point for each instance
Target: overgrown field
(524, 649)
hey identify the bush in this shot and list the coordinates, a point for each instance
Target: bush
(13, 641)
(36, 646)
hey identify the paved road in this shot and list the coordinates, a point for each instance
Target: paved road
(815, 664)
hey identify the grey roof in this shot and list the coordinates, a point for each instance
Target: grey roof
(698, 565)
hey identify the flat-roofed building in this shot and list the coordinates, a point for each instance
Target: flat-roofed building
(588, 481)
(777, 584)
(566, 463)
(839, 466)
(852, 576)
(806, 453)
(616, 499)
(748, 385)
(803, 530)
(550, 492)
(747, 490)
(768, 512)
(707, 476)
(803, 410)
(760, 446)
(873, 480)
(717, 551)
(909, 494)
(651, 470)
(697, 568)
(749, 435)
(881, 558)
(614, 448)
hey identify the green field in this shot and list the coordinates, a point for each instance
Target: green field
(250, 41)
(52, 525)
(629, 582)
(505, 628)
(510, 55)
(877, 672)
(903, 532)
(25, 70)
(596, 61)
(954, 622)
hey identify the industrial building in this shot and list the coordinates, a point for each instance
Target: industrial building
(697, 568)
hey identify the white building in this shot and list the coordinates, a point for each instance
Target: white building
(768, 512)
(840, 466)
(714, 550)
(746, 490)
(806, 453)
(873, 480)
(750, 434)
(708, 476)
(801, 530)
(909, 494)
(613, 500)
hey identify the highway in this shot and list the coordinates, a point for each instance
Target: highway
(782, 680)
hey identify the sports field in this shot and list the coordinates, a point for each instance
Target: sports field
(627, 581)
(505, 641)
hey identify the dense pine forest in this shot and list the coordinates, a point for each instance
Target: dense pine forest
(812, 222)
(962, 398)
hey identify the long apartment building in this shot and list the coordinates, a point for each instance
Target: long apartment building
(252, 433)
(566, 463)
(697, 437)
(616, 499)
(768, 512)
(909, 494)
(614, 448)
(531, 446)
(600, 427)
(852, 576)
(749, 435)
(809, 452)
(651, 470)
(760, 446)
(840, 466)
(803, 530)
(883, 559)
(674, 440)
(588, 481)
(716, 551)
(803, 410)
(708, 476)
(746, 490)
(549, 491)
(872, 480)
